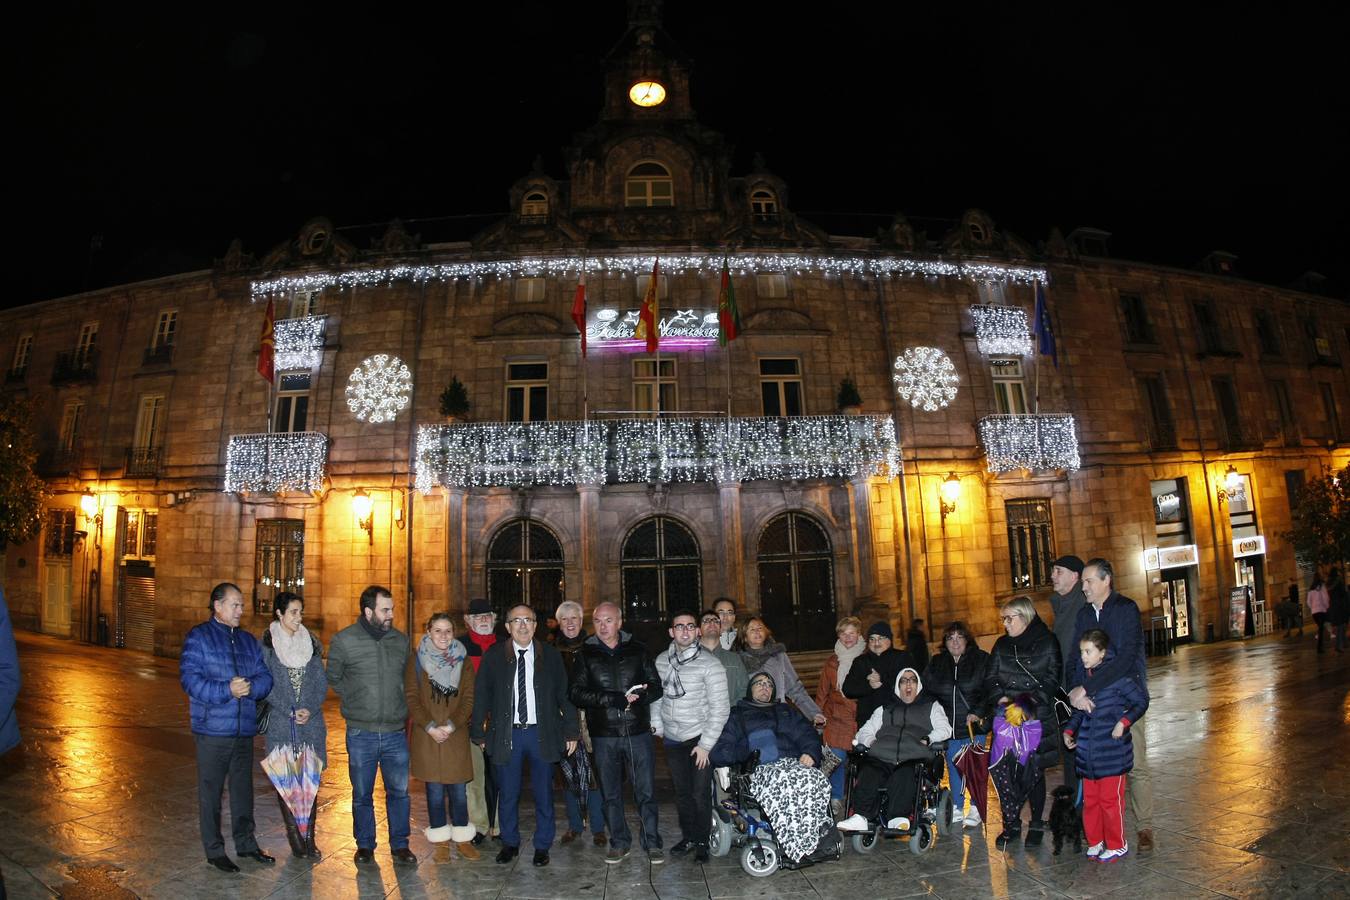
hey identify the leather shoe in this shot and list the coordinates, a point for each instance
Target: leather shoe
(507, 853)
(478, 838)
(1144, 841)
(599, 840)
(568, 836)
(363, 855)
(541, 857)
(700, 854)
(405, 856)
(681, 848)
(261, 857)
(223, 863)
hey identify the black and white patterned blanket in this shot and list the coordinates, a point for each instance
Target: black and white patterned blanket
(796, 801)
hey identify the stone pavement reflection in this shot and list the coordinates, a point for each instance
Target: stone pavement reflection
(1250, 745)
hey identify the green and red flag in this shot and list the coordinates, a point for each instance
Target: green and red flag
(649, 316)
(728, 316)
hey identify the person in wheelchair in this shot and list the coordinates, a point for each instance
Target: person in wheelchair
(785, 782)
(897, 739)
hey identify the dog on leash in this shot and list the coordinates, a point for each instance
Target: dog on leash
(1066, 820)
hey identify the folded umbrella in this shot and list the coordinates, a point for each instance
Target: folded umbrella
(972, 763)
(576, 771)
(294, 770)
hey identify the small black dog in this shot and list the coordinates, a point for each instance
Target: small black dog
(1066, 820)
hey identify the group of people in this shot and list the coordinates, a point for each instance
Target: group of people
(469, 716)
(1329, 603)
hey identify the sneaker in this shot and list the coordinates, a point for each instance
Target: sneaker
(899, 823)
(973, 819)
(958, 816)
(1096, 850)
(616, 855)
(1112, 855)
(854, 822)
(655, 855)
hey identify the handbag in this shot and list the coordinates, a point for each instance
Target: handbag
(264, 710)
(1059, 698)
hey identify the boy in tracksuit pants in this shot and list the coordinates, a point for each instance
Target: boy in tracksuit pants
(1104, 751)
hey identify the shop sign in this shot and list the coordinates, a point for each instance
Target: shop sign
(1237, 611)
(1249, 546)
(1176, 557)
(1151, 559)
(1167, 507)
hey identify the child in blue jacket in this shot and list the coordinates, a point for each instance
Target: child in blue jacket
(1105, 753)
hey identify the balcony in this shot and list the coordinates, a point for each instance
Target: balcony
(271, 463)
(299, 342)
(1235, 436)
(160, 355)
(1034, 442)
(74, 365)
(637, 451)
(61, 461)
(1161, 435)
(144, 462)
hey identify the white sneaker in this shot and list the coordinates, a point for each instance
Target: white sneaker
(899, 823)
(1109, 855)
(854, 822)
(958, 816)
(1096, 850)
(973, 818)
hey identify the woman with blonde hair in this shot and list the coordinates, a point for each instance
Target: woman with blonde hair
(840, 712)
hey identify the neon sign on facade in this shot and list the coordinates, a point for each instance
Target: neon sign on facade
(682, 329)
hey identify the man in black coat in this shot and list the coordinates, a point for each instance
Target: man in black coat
(521, 712)
(871, 678)
(615, 682)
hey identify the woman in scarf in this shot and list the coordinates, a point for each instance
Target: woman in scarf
(840, 712)
(439, 686)
(1025, 661)
(956, 677)
(763, 654)
(792, 792)
(295, 659)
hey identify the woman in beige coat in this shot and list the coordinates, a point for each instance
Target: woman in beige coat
(439, 685)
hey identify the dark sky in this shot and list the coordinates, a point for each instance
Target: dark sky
(1179, 131)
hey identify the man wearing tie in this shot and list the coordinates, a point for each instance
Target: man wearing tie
(521, 713)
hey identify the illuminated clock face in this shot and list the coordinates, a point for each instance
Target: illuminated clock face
(647, 93)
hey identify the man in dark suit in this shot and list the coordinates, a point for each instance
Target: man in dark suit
(521, 713)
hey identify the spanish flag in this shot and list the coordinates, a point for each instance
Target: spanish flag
(267, 345)
(728, 316)
(579, 311)
(649, 316)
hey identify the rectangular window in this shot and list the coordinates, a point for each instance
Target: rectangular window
(140, 538)
(22, 351)
(166, 329)
(87, 344)
(1294, 480)
(1329, 410)
(1031, 542)
(304, 304)
(1010, 393)
(646, 385)
(1279, 392)
(292, 402)
(72, 424)
(150, 421)
(1225, 399)
(526, 392)
(662, 287)
(1267, 335)
(1212, 339)
(1161, 433)
(59, 537)
(1321, 347)
(991, 293)
(529, 290)
(279, 561)
(1138, 330)
(770, 285)
(780, 386)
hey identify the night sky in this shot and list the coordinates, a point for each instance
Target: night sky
(145, 143)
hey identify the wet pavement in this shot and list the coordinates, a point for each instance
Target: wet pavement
(1249, 745)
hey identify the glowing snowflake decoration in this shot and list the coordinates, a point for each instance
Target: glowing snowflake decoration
(926, 377)
(378, 389)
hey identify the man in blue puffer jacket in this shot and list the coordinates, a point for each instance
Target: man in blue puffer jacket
(223, 673)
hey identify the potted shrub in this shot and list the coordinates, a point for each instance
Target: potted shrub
(849, 400)
(454, 400)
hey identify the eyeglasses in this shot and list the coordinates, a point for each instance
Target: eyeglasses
(909, 681)
(520, 620)
(712, 620)
(877, 638)
(956, 637)
(1007, 619)
(684, 626)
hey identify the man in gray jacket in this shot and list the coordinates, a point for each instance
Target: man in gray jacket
(689, 716)
(366, 662)
(1066, 576)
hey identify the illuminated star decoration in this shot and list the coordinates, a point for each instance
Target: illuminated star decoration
(379, 388)
(926, 377)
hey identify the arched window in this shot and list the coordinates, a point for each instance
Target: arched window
(525, 565)
(763, 205)
(796, 582)
(649, 184)
(534, 205)
(978, 234)
(661, 571)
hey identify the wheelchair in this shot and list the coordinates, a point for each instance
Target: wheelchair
(738, 822)
(931, 817)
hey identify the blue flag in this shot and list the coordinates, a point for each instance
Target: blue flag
(1045, 335)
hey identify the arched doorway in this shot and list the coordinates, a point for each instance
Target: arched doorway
(796, 582)
(525, 565)
(661, 571)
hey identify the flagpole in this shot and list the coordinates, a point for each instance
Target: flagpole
(1040, 313)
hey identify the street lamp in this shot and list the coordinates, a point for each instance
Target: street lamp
(365, 518)
(951, 492)
(89, 506)
(1232, 484)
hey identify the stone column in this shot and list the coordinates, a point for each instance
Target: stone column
(864, 554)
(456, 551)
(733, 554)
(588, 498)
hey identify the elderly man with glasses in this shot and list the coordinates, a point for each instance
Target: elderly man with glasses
(521, 713)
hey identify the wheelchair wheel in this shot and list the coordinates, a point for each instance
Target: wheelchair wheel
(761, 861)
(867, 841)
(720, 836)
(922, 840)
(944, 812)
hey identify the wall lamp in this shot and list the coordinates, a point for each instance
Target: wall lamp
(1232, 484)
(365, 517)
(951, 492)
(90, 507)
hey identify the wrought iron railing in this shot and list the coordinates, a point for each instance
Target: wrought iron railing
(75, 365)
(142, 461)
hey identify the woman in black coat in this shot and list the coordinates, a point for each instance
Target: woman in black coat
(871, 678)
(1026, 660)
(955, 678)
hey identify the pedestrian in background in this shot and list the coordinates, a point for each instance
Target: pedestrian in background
(1338, 613)
(916, 642)
(1319, 601)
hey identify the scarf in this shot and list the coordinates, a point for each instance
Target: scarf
(294, 650)
(755, 659)
(846, 658)
(674, 688)
(443, 667)
(372, 629)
